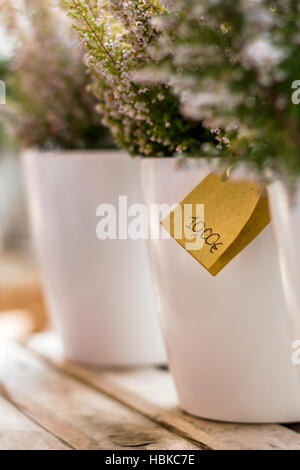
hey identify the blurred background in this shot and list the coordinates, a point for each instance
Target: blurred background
(49, 106)
(22, 309)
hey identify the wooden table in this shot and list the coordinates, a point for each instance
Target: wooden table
(21, 289)
(47, 403)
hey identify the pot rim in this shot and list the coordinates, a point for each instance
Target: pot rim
(74, 154)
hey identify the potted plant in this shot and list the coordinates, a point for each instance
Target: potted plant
(226, 336)
(246, 59)
(99, 291)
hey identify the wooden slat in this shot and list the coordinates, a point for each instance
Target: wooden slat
(151, 392)
(17, 432)
(73, 411)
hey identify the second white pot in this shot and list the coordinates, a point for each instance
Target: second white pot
(227, 337)
(99, 291)
(285, 208)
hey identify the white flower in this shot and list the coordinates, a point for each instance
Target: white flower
(262, 53)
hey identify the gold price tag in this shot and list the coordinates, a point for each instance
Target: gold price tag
(234, 214)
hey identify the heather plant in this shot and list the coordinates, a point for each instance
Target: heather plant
(51, 106)
(145, 120)
(234, 64)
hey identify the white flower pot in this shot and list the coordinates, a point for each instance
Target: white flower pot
(13, 222)
(99, 291)
(285, 208)
(227, 337)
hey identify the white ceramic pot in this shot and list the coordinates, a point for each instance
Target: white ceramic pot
(99, 292)
(13, 221)
(285, 207)
(227, 337)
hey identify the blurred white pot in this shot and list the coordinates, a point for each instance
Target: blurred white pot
(285, 208)
(99, 292)
(13, 221)
(227, 337)
(6, 197)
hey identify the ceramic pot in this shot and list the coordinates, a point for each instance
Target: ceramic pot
(99, 291)
(227, 337)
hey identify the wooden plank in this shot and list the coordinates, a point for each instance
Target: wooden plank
(16, 324)
(18, 267)
(152, 393)
(17, 432)
(74, 412)
(294, 427)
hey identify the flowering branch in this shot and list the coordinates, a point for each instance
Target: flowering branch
(62, 113)
(145, 120)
